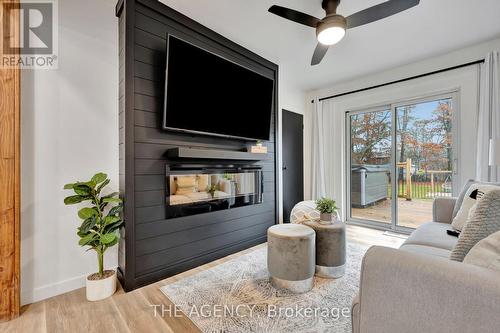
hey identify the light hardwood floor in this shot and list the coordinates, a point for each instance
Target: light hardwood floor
(132, 312)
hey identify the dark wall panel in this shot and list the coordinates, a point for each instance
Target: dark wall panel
(205, 231)
(154, 226)
(188, 250)
(157, 247)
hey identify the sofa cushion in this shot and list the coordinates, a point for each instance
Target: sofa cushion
(483, 222)
(442, 209)
(428, 250)
(486, 253)
(433, 234)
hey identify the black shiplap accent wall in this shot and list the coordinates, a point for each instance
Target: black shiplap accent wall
(152, 247)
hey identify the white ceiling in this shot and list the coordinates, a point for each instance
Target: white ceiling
(432, 28)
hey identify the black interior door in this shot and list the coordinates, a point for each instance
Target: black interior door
(293, 161)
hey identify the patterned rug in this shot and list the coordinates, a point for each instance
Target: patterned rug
(237, 297)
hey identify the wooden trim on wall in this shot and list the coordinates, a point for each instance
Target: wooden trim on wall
(9, 173)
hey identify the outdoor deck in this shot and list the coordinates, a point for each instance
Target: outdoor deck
(411, 213)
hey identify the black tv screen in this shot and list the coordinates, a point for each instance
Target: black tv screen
(208, 94)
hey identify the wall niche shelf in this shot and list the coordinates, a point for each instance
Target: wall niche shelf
(213, 154)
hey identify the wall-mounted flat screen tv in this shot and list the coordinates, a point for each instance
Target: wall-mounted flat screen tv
(208, 94)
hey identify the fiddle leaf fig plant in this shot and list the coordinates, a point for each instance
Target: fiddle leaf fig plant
(101, 220)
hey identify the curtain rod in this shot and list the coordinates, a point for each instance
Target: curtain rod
(403, 80)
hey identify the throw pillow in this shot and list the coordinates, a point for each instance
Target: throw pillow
(304, 211)
(483, 222)
(486, 253)
(472, 196)
(461, 196)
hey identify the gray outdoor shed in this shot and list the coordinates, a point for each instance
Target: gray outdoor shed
(369, 184)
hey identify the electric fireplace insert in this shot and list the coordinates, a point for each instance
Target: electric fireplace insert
(195, 190)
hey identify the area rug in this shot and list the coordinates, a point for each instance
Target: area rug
(237, 297)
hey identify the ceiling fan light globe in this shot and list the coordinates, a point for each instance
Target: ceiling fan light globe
(331, 36)
(331, 29)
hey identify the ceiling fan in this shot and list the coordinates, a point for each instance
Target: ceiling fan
(331, 29)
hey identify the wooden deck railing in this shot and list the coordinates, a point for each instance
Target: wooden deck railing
(428, 186)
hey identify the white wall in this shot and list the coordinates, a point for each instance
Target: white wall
(69, 129)
(465, 80)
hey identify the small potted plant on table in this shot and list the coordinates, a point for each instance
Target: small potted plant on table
(99, 229)
(327, 207)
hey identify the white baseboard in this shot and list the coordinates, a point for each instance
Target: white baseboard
(53, 289)
(50, 290)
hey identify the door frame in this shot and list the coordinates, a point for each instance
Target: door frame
(454, 95)
(10, 94)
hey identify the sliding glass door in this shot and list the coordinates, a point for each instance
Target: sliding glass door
(401, 157)
(424, 158)
(370, 165)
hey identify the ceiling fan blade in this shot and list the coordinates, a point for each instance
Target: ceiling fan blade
(319, 54)
(295, 16)
(379, 12)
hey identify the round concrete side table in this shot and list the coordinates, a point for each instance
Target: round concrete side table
(291, 257)
(330, 249)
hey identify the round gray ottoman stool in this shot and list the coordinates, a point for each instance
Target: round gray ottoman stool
(330, 248)
(291, 257)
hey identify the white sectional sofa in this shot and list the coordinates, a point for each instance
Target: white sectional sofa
(416, 288)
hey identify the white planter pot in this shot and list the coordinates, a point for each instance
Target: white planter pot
(325, 218)
(101, 289)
